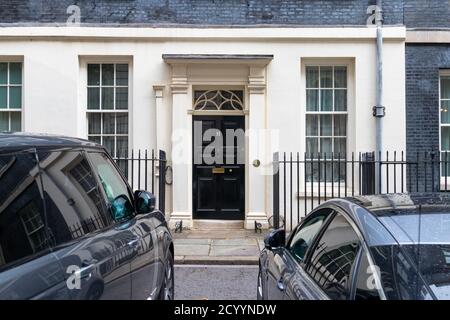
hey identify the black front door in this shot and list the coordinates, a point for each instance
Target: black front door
(219, 167)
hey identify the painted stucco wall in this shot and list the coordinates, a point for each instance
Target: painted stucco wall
(55, 92)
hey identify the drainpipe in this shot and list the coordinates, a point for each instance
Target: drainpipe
(379, 109)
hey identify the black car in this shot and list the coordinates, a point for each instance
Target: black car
(365, 248)
(71, 227)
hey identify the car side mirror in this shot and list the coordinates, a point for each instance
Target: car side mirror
(121, 208)
(275, 239)
(144, 201)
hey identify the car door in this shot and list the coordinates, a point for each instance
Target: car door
(276, 269)
(92, 236)
(147, 267)
(28, 268)
(297, 284)
(146, 264)
(332, 261)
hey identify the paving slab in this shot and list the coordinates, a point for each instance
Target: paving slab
(181, 241)
(210, 260)
(192, 249)
(234, 242)
(234, 251)
(218, 247)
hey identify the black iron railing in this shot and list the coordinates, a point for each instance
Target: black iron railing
(146, 170)
(301, 182)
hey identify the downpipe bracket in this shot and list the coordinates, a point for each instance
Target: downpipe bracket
(379, 111)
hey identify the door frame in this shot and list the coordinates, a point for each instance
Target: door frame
(223, 115)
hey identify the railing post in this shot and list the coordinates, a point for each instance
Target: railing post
(368, 173)
(276, 190)
(162, 181)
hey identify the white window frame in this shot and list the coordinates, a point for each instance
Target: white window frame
(348, 62)
(84, 76)
(8, 86)
(444, 179)
(332, 113)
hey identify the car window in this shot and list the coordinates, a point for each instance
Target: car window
(306, 233)
(113, 185)
(74, 203)
(22, 218)
(366, 286)
(333, 258)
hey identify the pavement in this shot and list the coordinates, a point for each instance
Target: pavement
(218, 247)
(212, 282)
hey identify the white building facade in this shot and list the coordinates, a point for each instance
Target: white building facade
(290, 89)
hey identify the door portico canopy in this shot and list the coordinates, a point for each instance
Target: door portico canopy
(248, 59)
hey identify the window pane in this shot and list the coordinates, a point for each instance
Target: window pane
(326, 146)
(108, 123)
(4, 121)
(303, 238)
(79, 182)
(15, 73)
(365, 284)
(122, 74)
(312, 100)
(108, 142)
(312, 170)
(326, 125)
(93, 74)
(340, 148)
(312, 125)
(340, 125)
(122, 147)
(95, 139)
(93, 98)
(340, 77)
(326, 100)
(107, 74)
(113, 184)
(445, 87)
(312, 146)
(3, 97)
(122, 123)
(107, 98)
(340, 100)
(3, 73)
(16, 124)
(94, 123)
(15, 97)
(445, 138)
(23, 232)
(121, 98)
(334, 257)
(326, 77)
(445, 112)
(312, 77)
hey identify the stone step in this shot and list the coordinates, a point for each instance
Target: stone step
(218, 225)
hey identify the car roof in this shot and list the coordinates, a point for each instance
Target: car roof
(395, 204)
(387, 217)
(18, 141)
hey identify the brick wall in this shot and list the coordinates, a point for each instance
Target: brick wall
(427, 13)
(201, 12)
(423, 63)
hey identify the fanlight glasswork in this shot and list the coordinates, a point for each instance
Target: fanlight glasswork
(219, 100)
